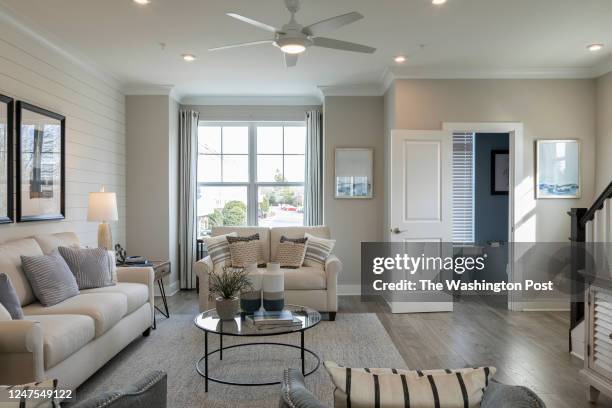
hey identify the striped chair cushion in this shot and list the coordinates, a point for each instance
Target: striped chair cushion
(218, 249)
(291, 252)
(92, 267)
(317, 250)
(50, 278)
(381, 388)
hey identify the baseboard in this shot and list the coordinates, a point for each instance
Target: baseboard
(171, 289)
(349, 290)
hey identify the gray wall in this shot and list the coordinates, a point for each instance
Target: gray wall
(490, 211)
(604, 132)
(353, 122)
(94, 108)
(152, 169)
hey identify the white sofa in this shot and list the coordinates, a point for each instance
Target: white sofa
(306, 286)
(73, 339)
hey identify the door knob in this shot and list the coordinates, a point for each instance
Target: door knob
(396, 230)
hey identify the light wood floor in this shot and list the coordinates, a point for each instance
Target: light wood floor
(528, 348)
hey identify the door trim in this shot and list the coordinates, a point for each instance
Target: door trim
(516, 132)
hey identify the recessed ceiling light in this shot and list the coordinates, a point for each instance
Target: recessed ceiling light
(189, 57)
(142, 2)
(438, 2)
(595, 47)
(400, 58)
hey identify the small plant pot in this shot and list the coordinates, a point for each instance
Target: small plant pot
(227, 308)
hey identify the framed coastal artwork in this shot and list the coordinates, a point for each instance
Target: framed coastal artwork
(354, 172)
(558, 169)
(41, 138)
(6, 159)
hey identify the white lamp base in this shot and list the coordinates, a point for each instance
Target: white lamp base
(105, 238)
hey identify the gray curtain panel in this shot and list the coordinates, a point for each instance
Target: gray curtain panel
(313, 188)
(188, 159)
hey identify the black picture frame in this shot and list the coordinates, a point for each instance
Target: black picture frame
(21, 106)
(494, 154)
(9, 218)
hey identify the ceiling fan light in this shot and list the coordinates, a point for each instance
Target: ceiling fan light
(293, 48)
(595, 47)
(438, 2)
(142, 2)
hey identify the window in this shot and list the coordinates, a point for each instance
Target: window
(250, 174)
(463, 188)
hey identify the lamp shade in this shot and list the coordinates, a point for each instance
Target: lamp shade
(102, 207)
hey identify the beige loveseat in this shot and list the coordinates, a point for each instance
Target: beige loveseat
(307, 286)
(73, 339)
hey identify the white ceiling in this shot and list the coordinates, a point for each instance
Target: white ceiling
(123, 38)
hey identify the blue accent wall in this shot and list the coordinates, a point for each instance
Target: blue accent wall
(491, 211)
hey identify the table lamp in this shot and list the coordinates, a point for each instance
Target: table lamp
(103, 208)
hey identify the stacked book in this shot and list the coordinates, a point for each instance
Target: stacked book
(264, 320)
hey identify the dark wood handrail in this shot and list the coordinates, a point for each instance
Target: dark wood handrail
(597, 205)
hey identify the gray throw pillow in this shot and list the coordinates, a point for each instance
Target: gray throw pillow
(92, 267)
(50, 278)
(9, 298)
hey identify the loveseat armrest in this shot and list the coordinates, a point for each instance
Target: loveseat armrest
(144, 275)
(333, 268)
(21, 352)
(294, 393)
(149, 392)
(203, 268)
(499, 395)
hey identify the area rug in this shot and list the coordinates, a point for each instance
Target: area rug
(357, 340)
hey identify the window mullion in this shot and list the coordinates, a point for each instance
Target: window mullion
(252, 189)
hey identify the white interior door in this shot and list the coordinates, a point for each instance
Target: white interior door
(421, 196)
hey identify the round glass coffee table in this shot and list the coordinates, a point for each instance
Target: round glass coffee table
(242, 326)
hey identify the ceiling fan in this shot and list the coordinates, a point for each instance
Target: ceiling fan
(293, 38)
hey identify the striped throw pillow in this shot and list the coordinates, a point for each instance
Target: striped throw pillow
(92, 267)
(218, 249)
(317, 250)
(381, 388)
(50, 278)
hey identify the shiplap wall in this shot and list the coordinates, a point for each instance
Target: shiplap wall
(94, 107)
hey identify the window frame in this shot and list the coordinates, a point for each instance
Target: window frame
(252, 185)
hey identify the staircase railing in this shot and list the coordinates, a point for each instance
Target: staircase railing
(579, 219)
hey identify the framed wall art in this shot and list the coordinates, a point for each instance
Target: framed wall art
(500, 172)
(41, 139)
(6, 159)
(557, 169)
(354, 172)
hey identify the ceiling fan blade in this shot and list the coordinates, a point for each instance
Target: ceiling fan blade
(342, 45)
(225, 47)
(331, 24)
(291, 60)
(255, 23)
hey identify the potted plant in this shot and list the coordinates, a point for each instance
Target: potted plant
(225, 286)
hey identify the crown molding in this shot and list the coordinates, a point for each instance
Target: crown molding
(250, 100)
(351, 90)
(53, 44)
(394, 73)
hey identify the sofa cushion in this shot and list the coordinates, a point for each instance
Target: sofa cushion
(106, 309)
(4, 314)
(10, 263)
(50, 242)
(305, 278)
(317, 250)
(264, 237)
(294, 232)
(137, 294)
(63, 335)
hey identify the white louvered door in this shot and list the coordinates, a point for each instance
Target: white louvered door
(600, 359)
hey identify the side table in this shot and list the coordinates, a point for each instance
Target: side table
(161, 269)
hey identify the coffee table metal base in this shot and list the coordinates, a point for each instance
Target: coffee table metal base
(204, 371)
